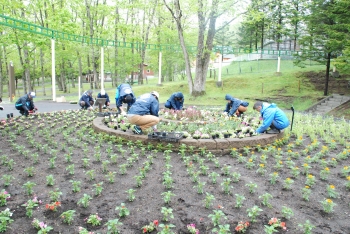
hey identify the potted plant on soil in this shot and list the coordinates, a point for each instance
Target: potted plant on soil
(205, 136)
(123, 127)
(227, 134)
(185, 134)
(196, 136)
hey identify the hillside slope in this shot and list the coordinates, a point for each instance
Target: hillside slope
(337, 86)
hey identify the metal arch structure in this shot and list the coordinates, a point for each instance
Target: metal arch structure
(54, 34)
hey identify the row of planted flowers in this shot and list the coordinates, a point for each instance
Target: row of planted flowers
(249, 159)
(197, 124)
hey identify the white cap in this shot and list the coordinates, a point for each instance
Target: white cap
(32, 94)
(103, 92)
(155, 93)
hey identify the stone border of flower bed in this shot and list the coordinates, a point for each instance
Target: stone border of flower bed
(222, 146)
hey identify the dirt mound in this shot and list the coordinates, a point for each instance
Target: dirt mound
(338, 85)
(335, 85)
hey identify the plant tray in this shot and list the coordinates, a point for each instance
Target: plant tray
(103, 114)
(165, 136)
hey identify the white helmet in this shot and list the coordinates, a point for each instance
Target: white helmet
(155, 93)
(103, 92)
(32, 94)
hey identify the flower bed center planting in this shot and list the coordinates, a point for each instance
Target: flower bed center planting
(198, 128)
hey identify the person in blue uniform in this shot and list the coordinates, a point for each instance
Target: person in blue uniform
(144, 112)
(86, 101)
(176, 101)
(124, 94)
(103, 94)
(235, 106)
(273, 118)
(25, 104)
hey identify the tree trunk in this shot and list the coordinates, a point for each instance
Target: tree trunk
(89, 74)
(178, 22)
(34, 71)
(72, 79)
(145, 40)
(96, 76)
(116, 74)
(116, 22)
(95, 26)
(63, 76)
(1, 76)
(26, 68)
(7, 69)
(262, 33)
(59, 81)
(168, 72)
(279, 25)
(140, 78)
(42, 71)
(132, 77)
(255, 40)
(327, 74)
(295, 36)
(203, 53)
(80, 69)
(296, 27)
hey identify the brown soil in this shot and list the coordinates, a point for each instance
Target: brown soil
(335, 85)
(187, 204)
(317, 80)
(338, 85)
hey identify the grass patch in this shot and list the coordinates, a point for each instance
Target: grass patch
(248, 80)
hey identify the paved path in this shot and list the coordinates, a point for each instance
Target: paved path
(43, 106)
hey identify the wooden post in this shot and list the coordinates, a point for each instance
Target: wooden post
(160, 69)
(102, 72)
(220, 67)
(53, 69)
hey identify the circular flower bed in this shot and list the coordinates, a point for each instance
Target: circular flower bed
(197, 124)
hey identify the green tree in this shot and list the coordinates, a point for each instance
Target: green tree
(297, 10)
(207, 16)
(325, 37)
(277, 18)
(342, 16)
(254, 29)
